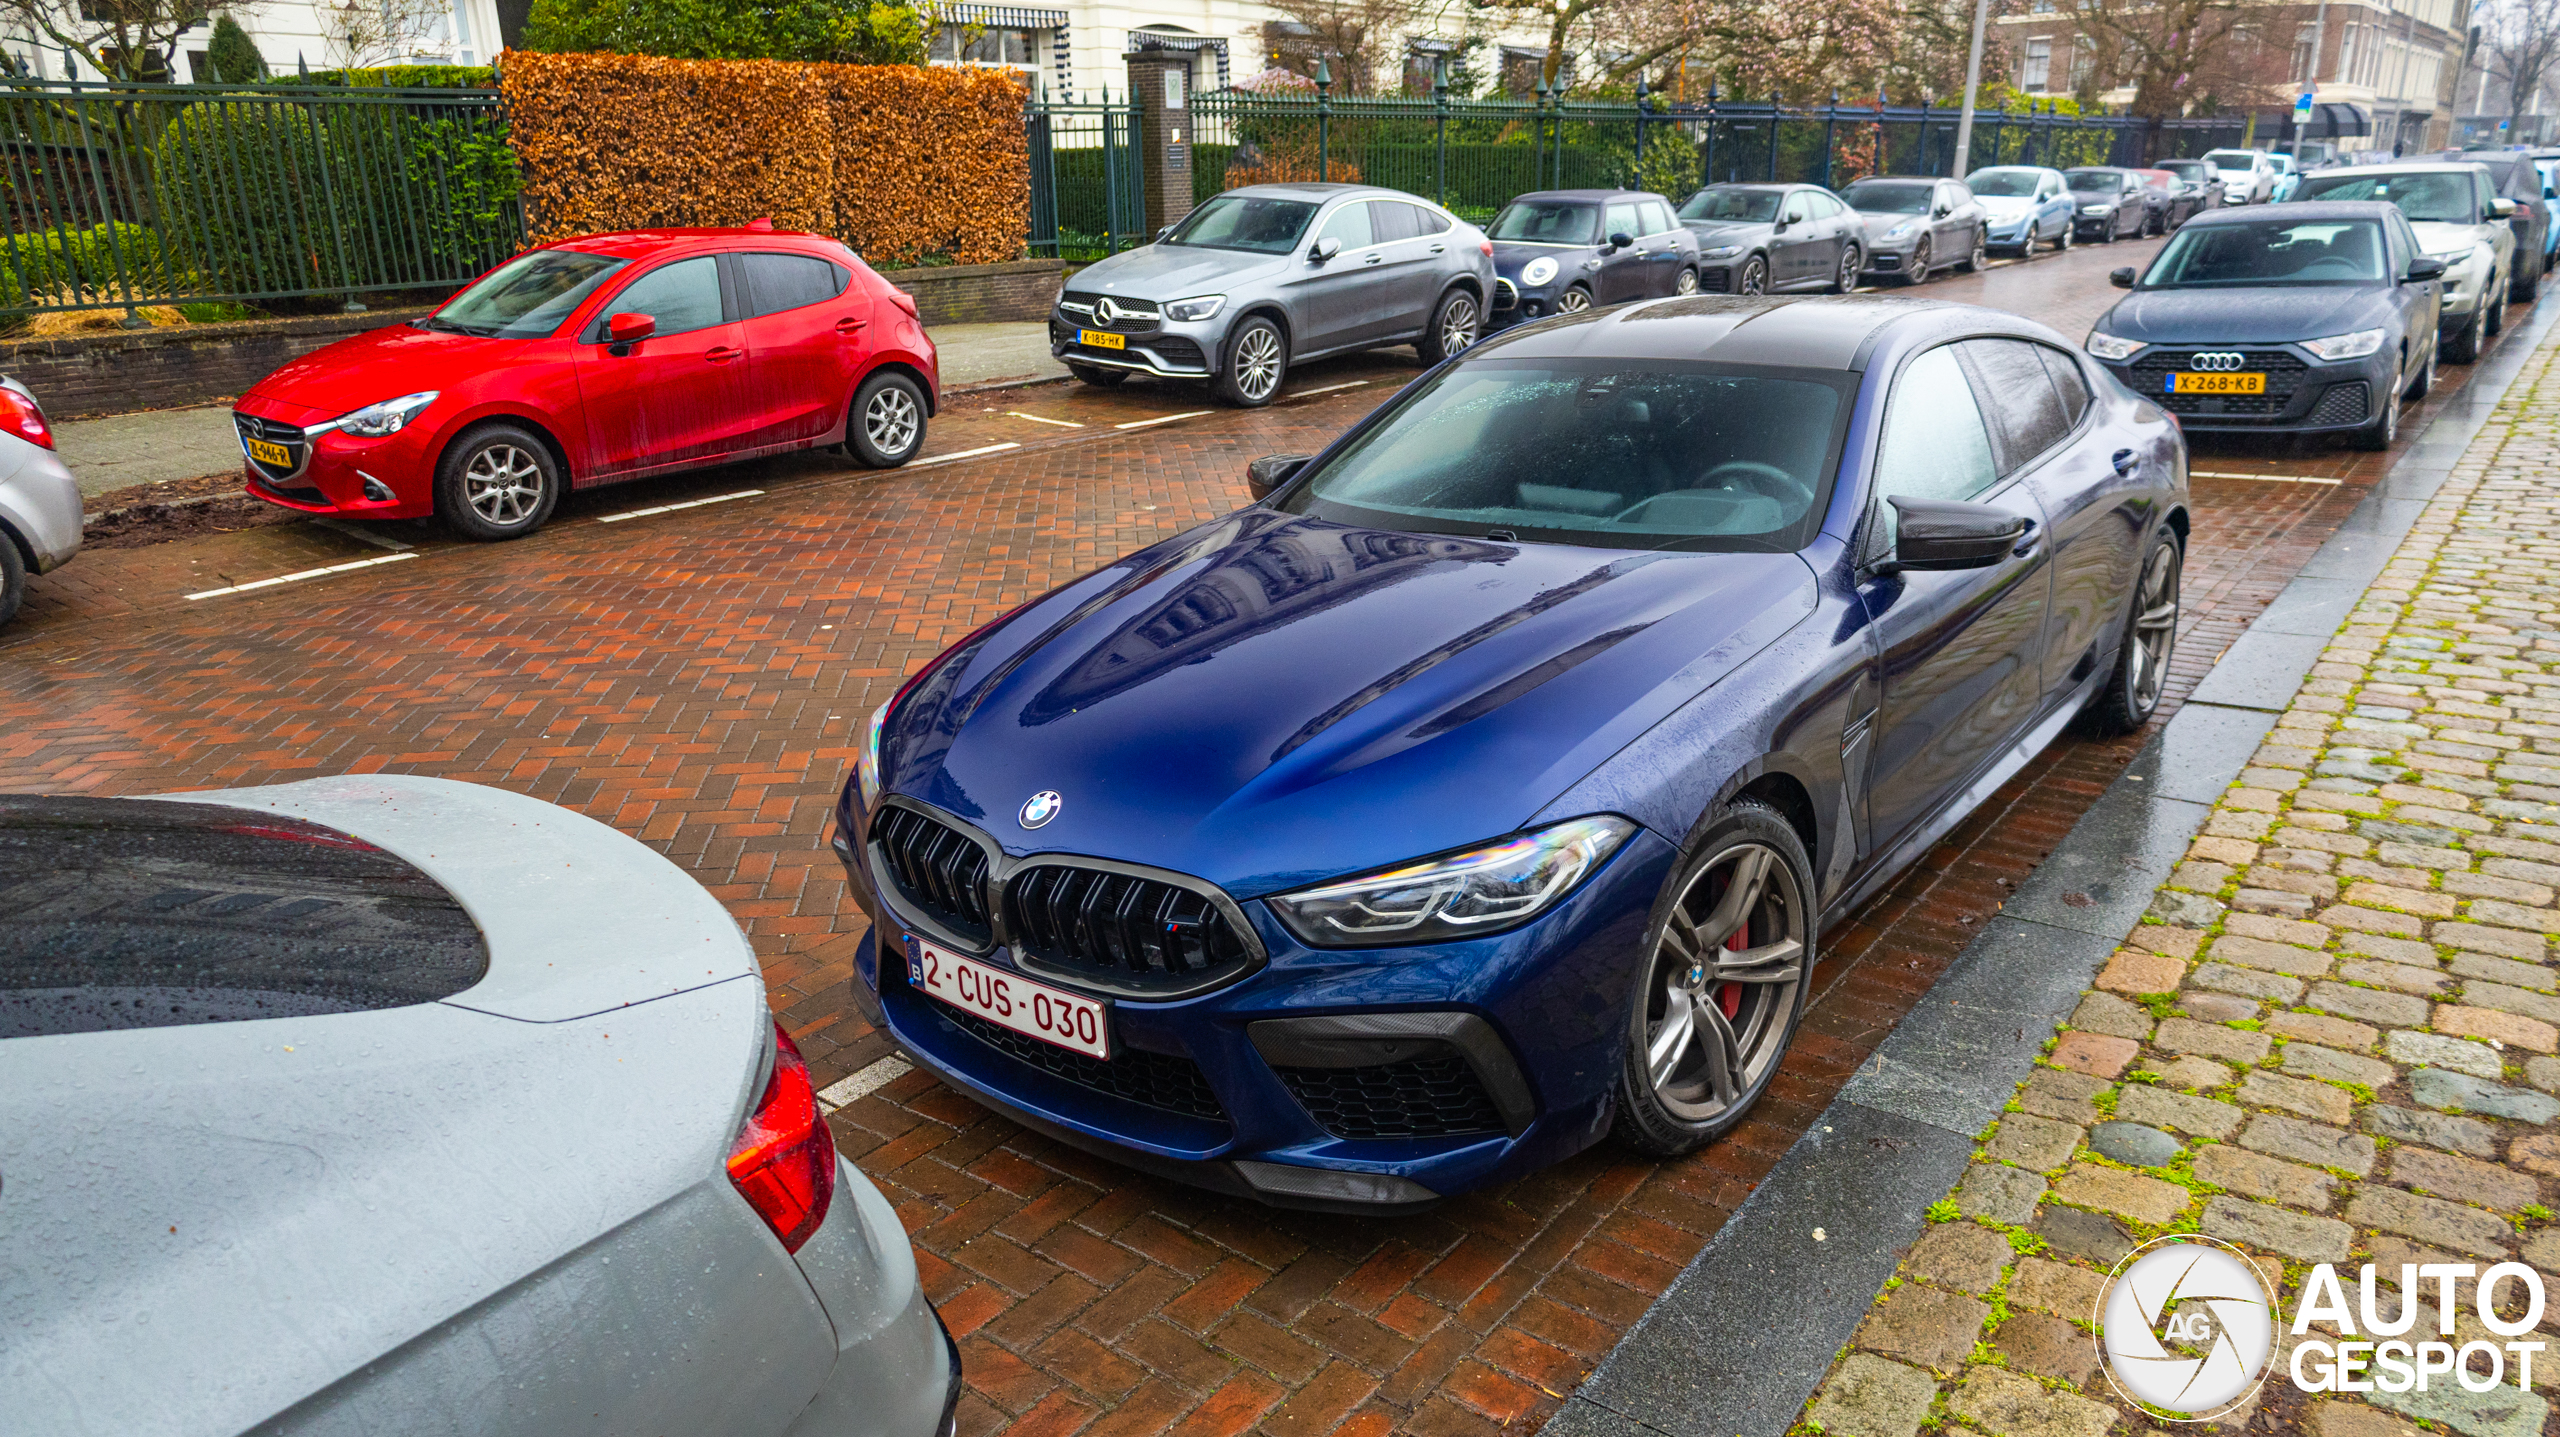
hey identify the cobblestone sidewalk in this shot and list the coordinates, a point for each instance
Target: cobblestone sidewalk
(2332, 1037)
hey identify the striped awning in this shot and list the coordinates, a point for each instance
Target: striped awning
(1004, 17)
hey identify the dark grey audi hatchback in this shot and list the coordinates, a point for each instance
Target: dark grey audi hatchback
(2304, 318)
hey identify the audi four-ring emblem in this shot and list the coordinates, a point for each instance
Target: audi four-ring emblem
(2221, 361)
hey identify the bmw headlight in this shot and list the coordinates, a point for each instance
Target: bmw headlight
(867, 767)
(1722, 251)
(2108, 346)
(1538, 271)
(1466, 895)
(1194, 310)
(2346, 346)
(376, 420)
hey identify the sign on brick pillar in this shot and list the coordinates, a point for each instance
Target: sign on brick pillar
(1161, 81)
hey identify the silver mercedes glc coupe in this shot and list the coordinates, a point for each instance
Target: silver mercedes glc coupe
(391, 1104)
(1258, 279)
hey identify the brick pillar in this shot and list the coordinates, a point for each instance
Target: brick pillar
(1161, 81)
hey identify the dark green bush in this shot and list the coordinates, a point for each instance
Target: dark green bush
(402, 77)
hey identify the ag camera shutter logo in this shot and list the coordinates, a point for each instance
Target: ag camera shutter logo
(2185, 1327)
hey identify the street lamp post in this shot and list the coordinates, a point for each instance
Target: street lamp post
(1972, 82)
(2311, 85)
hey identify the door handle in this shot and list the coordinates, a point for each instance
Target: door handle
(850, 325)
(1374, 259)
(1439, 249)
(722, 354)
(2125, 462)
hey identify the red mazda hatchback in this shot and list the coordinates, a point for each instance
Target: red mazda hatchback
(591, 361)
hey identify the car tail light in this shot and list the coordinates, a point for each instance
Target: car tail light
(903, 300)
(1486, 246)
(784, 1159)
(20, 416)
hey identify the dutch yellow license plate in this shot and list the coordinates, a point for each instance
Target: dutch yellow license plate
(1101, 339)
(2217, 384)
(266, 452)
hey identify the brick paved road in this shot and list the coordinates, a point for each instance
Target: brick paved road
(2336, 1041)
(696, 678)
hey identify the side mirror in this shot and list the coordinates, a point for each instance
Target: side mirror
(1621, 241)
(1271, 471)
(1940, 212)
(1324, 249)
(1162, 234)
(2502, 208)
(2121, 278)
(1780, 227)
(629, 328)
(2424, 267)
(1941, 534)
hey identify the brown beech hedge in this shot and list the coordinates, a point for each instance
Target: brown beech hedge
(898, 162)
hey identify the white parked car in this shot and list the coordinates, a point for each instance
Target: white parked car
(39, 500)
(2247, 177)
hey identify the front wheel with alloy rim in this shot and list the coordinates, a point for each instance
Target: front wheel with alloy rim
(2384, 428)
(1980, 259)
(888, 421)
(1723, 983)
(1851, 262)
(497, 482)
(1754, 278)
(1919, 271)
(2150, 641)
(1452, 328)
(1575, 300)
(1257, 360)
(2426, 380)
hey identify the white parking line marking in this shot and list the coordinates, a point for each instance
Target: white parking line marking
(878, 1075)
(1036, 419)
(1162, 419)
(362, 535)
(305, 574)
(671, 508)
(1325, 389)
(963, 454)
(2269, 478)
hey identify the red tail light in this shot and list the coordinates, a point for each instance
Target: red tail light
(1485, 245)
(784, 1160)
(20, 416)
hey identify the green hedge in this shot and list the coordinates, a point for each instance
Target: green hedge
(105, 261)
(401, 77)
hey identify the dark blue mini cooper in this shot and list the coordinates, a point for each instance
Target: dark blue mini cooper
(1482, 789)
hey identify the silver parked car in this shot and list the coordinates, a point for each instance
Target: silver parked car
(2459, 218)
(381, 1104)
(39, 500)
(1259, 279)
(1917, 225)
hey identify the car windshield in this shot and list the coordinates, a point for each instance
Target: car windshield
(2093, 182)
(1892, 197)
(525, 298)
(2004, 184)
(1247, 222)
(2443, 197)
(2185, 169)
(2232, 159)
(1547, 222)
(1748, 206)
(2270, 252)
(1613, 453)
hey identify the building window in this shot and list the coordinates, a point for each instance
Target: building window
(986, 45)
(2083, 59)
(2039, 66)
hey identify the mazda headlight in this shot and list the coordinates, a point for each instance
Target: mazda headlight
(866, 769)
(2346, 346)
(376, 420)
(2108, 346)
(1196, 309)
(1722, 251)
(1466, 895)
(1538, 271)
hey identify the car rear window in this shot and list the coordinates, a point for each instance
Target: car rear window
(2435, 195)
(1546, 222)
(123, 913)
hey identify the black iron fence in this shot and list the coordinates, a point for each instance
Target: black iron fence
(1086, 200)
(119, 195)
(1473, 156)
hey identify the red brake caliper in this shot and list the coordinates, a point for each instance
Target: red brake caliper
(1729, 995)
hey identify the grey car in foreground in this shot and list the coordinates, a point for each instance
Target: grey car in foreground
(2298, 318)
(39, 500)
(1262, 278)
(386, 1104)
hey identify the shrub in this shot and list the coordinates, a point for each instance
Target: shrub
(869, 32)
(402, 77)
(233, 55)
(238, 190)
(928, 162)
(102, 262)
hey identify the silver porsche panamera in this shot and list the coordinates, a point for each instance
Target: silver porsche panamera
(401, 1105)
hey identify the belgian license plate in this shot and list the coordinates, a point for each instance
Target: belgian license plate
(1102, 339)
(2217, 384)
(269, 452)
(1009, 1000)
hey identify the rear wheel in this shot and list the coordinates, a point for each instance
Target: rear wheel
(2528, 281)
(497, 482)
(1720, 994)
(1453, 327)
(2150, 640)
(1097, 376)
(2493, 303)
(2062, 241)
(2464, 348)
(1851, 263)
(1980, 259)
(13, 579)
(1257, 360)
(1687, 283)
(888, 421)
